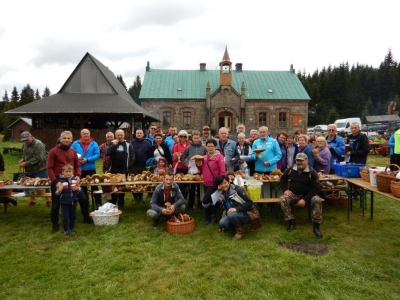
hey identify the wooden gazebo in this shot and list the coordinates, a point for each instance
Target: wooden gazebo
(93, 98)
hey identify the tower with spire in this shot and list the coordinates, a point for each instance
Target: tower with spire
(225, 69)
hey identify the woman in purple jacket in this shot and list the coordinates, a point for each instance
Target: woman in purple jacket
(322, 156)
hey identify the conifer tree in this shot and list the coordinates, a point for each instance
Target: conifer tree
(120, 79)
(46, 92)
(5, 97)
(37, 95)
(27, 95)
(14, 95)
(134, 90)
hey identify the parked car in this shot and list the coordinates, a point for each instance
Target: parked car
(375, 127)
(321, 128)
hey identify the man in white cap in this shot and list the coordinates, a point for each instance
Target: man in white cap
(300, 185)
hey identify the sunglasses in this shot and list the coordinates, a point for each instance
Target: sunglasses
(183, 136)
(153, 128)
(206, 129)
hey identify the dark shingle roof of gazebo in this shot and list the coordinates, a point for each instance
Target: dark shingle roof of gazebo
(91, 88)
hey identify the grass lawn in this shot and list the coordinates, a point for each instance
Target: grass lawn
(356, 259)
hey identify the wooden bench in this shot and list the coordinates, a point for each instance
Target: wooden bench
(47, 196)
(11, 149)
(267, 200)
(32, 197)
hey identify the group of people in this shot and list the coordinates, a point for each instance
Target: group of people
(69, 161)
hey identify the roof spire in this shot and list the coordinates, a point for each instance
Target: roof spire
(226, 55)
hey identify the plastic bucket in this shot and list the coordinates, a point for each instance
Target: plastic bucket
(254, 190)
(372, 174)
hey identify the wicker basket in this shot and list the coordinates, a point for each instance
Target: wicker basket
(183, 227)
(108, 188)
(109, 219)
(5, 193)
(40, 192)
(365, 176)
(395, 188)
(337, 199)
(384, 178)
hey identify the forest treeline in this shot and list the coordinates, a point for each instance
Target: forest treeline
(356, 91)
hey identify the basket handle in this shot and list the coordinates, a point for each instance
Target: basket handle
(398, 168)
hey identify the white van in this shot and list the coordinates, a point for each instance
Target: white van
(343, 125)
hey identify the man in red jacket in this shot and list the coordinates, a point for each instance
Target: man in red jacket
(58, 157)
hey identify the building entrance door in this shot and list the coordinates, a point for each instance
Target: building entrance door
(225, 120)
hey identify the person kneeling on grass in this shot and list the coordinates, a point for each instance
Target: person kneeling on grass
(236, 203)
(68, 190)
(167, 200)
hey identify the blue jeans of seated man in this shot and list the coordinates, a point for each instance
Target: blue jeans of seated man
(152, 214)
(233, 220)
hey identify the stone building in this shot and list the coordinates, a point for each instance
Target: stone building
(190, 99)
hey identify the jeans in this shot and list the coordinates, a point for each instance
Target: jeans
(55, 206)
(41, 174)
(235, 219)
(68, 213)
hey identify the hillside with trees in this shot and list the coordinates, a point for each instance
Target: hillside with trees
(355, 91)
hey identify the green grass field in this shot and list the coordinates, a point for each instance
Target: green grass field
(356, 259)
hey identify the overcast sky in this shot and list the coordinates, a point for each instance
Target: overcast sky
(43, 41)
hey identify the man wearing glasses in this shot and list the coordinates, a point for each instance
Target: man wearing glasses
(152, 132)
(336, 146)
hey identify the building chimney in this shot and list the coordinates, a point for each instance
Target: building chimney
(148, 66)
(291, 68)
(238, 66)
(202, 66)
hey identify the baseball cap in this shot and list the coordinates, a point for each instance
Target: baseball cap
(25, 135)
(301, 156)
(206, 127)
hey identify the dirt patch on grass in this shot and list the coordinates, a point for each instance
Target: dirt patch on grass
(315, 249)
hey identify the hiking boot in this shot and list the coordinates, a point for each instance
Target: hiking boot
(316, 231)
(291, 225)
(88, 221)
(239, 233)
(156, 223)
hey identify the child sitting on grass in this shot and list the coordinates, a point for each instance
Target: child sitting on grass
(68, 190)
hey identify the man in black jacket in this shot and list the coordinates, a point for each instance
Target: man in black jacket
(300, 185)
(122, 158)
(358, 145)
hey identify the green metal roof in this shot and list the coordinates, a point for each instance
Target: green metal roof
(164, 84)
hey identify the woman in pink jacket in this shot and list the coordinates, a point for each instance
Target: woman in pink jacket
(179, 167)
(211, 167)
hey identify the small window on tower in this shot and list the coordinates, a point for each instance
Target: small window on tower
(225, 69)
